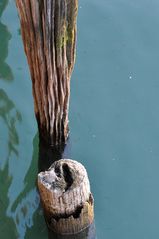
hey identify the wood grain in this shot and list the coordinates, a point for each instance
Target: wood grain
(66, 197)
(48, 30)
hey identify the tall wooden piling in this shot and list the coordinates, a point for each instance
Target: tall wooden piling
(48, 30)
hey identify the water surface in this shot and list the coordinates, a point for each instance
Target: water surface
(114, 120)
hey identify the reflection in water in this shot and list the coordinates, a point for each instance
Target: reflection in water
(10, 116)
(30, 178)
(5, 36)
(24, 207)
(48, 155)
(16, 211)
(6, 222)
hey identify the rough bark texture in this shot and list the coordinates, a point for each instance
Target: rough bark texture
(49, 35)
(66, 197)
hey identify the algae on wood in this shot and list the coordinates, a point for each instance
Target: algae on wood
(49, 35)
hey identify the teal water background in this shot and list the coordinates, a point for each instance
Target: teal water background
(114, 120)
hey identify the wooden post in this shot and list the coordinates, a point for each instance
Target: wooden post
(49, 35)
(66, 198)
(88, 233)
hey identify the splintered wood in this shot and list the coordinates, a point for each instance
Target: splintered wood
(66, 197)
(48, 30)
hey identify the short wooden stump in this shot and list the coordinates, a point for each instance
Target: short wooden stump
(66, 197)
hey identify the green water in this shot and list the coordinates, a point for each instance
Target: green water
(114, 120)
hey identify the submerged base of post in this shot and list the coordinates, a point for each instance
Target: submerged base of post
(66, 198)
(88, 233)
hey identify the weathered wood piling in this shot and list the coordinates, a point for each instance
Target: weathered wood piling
(48, 30)
(66, 197)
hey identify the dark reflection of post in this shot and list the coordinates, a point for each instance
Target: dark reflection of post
(5, 36)
(48, 155)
